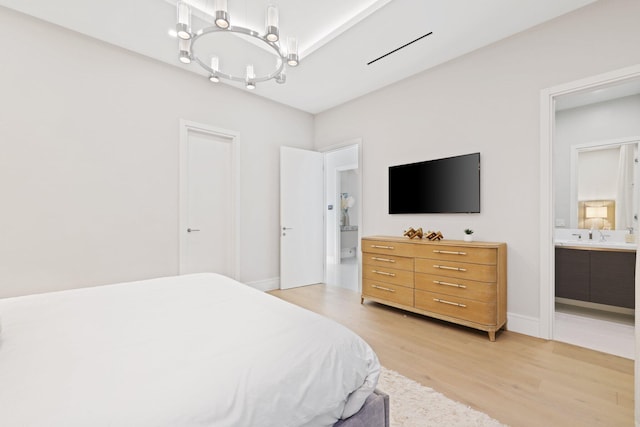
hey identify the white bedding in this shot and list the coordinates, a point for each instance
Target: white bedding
(179, 351)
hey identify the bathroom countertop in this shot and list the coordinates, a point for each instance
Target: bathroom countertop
(596, 245)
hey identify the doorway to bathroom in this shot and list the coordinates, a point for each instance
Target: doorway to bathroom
(588, 117)
(343, 187)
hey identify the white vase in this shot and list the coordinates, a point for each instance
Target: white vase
(468, 237)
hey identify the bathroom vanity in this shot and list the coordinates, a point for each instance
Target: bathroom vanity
(596, 272)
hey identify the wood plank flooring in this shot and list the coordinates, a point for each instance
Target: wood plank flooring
(519, 380)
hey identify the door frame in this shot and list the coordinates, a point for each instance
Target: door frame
(324, 151)
(547, 208)
(233, 137)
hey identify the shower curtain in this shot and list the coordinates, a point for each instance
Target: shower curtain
(624, 196)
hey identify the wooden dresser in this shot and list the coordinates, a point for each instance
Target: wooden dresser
(461, 282)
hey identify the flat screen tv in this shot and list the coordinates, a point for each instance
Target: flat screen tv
(449, 185)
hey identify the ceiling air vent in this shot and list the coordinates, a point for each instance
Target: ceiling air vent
(401, 47)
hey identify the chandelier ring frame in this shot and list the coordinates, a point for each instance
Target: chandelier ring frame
(281, 58)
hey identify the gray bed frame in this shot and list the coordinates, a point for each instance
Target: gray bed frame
(374, 412)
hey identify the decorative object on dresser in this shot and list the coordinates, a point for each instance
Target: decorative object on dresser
(468, 235)
(456, 281)
(434, 235)
(411, 233)
(430, 235)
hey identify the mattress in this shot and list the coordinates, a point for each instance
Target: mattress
(193, 350)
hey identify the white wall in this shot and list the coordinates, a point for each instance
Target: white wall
(486, 101)
(89, 161)
(602, 121)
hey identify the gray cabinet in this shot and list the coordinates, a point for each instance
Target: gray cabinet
(573, 273)
(603, 277)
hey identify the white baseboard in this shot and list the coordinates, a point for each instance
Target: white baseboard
(266, 285)
(523, 324)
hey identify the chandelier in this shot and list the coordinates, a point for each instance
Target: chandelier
(204, 46)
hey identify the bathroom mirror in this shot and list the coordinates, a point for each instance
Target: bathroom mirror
(603, 178)
(594, 151)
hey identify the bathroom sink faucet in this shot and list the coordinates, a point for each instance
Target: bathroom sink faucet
(603, 236)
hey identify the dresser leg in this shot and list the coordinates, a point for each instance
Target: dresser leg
(492, 336)
(361, 300)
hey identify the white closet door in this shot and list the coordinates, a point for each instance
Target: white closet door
(208, 204)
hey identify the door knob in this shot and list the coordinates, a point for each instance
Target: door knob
(191, 230)
(287, 228)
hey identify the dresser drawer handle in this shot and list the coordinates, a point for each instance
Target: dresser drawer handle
(382, 247)
(444, 267)
(383, 288)
(450, 303)
(384, 273)
(375, 258)
(455, 285)
(437, 251)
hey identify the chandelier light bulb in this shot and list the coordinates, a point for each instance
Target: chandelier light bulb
(251, 84)
(185, 51)
(272, 33)
(183, 27)
(214, 78)
(221, 14)
(292, 56)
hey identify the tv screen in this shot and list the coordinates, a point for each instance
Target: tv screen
(449, 185)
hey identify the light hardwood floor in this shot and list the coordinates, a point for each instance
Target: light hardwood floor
(519, 380)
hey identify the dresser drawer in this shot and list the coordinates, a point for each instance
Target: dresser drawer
(457, 253)
(387, 291)
(469, 289)
(479, 272)
(388, 275)
(460, 308)
(387, 248)
(387, 261)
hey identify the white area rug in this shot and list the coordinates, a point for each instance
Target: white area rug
(414, 405)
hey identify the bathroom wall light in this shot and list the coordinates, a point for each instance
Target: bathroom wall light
(596, 212)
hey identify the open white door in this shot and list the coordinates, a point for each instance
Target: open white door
(301, 217)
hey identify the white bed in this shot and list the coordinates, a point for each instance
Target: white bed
(182, 351)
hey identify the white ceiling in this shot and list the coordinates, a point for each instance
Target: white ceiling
(601, 94)
(337, 38)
